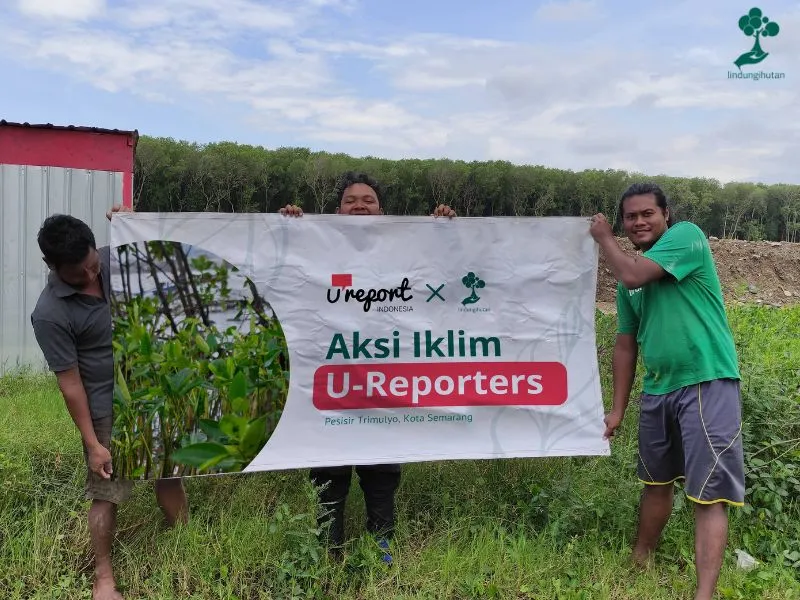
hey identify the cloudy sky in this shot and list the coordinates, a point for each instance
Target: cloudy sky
(571, 84)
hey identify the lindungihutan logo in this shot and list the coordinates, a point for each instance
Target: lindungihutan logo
(472, 282)
(755, 24)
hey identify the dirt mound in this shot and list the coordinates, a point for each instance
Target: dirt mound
(751, 272)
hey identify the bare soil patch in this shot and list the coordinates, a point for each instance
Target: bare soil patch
(766, 273)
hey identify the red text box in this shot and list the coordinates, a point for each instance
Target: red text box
(427, 385)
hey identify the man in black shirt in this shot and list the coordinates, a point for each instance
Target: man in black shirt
(359, 194)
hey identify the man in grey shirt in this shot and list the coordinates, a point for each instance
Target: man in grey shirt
(73, 326)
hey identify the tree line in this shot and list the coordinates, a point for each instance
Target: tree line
(180, 176)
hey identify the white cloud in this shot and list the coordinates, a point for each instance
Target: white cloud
(421, 81)
(234, 14)
(207, 19)
(285, 69)
(78, 10)
(343, 5)
(571, 10)
(362, 49)
(385, 125)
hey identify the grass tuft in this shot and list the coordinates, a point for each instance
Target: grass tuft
(556, 528)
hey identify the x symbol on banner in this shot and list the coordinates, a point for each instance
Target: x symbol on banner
(435, 293)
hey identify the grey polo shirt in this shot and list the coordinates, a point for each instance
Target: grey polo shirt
(74, 329)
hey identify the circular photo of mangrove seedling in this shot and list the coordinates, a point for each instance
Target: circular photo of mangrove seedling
(201, 365)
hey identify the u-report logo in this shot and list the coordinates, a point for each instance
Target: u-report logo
(400, 294)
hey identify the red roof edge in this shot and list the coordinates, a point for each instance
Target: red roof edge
(134, 133)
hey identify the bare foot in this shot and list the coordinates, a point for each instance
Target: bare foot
(641, 560)
(105, 589)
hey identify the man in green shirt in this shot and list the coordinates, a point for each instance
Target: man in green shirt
(670, 308)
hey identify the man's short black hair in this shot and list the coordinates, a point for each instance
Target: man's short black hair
(65, 240)
(351, 177)
(639, 189)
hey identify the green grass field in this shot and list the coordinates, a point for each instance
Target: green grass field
(508, 529)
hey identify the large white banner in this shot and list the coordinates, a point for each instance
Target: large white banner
(409, 339)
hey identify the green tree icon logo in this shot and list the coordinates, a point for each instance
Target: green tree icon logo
(755, 24)
(473, 282)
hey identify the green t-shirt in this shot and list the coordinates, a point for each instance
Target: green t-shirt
(679, 320)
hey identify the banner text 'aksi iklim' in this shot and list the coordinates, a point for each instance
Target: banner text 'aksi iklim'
(431, 384)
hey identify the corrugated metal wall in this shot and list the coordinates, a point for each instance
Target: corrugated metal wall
(28, 195)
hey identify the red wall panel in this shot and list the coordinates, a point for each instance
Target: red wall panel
(72, 149)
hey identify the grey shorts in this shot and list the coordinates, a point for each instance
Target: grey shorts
(113, 490)
(695, 434)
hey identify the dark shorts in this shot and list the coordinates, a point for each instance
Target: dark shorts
(695, 434)
(111, 490)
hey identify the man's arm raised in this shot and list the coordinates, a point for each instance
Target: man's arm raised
(631, 272)
(117, 208)
(443, 211)
(291, 210)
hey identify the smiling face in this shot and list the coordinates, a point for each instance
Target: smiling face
(359, 199)
(644, 220)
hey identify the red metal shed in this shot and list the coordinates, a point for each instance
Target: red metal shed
(73, 147)
(47, 169)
